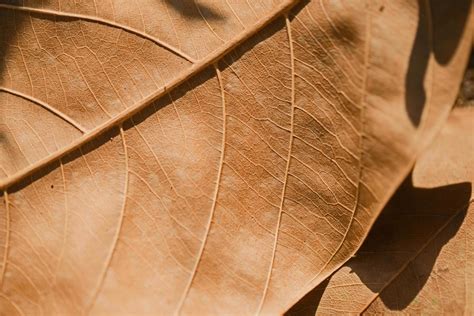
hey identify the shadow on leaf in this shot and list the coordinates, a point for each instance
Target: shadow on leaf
(10, 23)
(440, 27)
(414, 220)
(192, 9)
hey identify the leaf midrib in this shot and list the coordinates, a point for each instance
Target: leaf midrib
(134, 109)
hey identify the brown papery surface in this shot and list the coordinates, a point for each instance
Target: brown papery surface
(207, 157)
(419, 257)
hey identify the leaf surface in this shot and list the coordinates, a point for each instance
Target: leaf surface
(418, 257)
(205, 157)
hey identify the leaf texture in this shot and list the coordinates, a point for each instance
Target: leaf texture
(418, 257)
(205, 157)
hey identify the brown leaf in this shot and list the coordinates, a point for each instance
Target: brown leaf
(418, 259)
(206, 157)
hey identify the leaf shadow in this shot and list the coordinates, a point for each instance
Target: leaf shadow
(309, 303)
(449, 202)
(192, 9)
(439, 31)
(389, 233)
(8, 33)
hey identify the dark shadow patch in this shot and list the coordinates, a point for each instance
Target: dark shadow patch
(440, 28)
(466, 94)
(449, 21)
(415, 94)
(12, 2)
(345, 32)
(298, 8)
(309, 303)
(10, 22)
(404, 218)
(192, 9)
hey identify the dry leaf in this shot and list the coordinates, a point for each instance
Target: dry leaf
(205, 157)
(419, 257)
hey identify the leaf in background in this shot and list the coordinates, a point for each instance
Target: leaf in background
(419, 257)
(179, 156)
